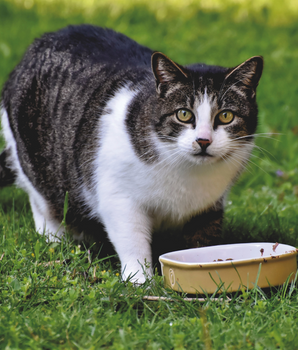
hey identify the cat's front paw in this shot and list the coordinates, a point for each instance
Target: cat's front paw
(137, 276)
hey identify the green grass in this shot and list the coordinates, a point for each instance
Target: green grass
(82, 304)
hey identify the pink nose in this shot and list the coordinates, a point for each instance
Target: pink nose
(204, 143)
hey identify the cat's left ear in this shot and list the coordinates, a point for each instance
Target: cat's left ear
(165, 70)
(248, 73)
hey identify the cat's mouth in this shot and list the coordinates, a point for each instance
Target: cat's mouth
(202, 154)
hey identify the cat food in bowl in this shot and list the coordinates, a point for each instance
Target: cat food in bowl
(230, 267)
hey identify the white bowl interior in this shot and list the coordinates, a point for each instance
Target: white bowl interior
(229, 252)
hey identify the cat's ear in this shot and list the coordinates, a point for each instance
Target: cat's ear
(165, 70)
(248, 73)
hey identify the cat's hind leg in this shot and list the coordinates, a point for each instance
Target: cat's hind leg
(11, 171)
(7, 176)
(44, 223)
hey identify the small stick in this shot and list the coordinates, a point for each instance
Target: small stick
(50, 263)
(157, 298)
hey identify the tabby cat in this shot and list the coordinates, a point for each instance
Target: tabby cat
(141, 144)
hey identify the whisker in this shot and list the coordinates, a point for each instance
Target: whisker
(244, 153)
(261, 149)
(264, 135)
(264, 151)
(164, 163)
(255, 164)
(238, 159)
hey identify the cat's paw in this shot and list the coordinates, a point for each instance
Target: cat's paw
(138, 277)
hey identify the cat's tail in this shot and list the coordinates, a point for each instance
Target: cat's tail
(7, 176)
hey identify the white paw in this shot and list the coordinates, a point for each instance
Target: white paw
(137, 275)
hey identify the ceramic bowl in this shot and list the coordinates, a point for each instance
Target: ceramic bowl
(230, 267)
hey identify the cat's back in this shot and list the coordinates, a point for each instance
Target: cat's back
(83, 57)
(95, 45)
(88, 46)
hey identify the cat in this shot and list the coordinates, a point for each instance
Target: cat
(141, 144)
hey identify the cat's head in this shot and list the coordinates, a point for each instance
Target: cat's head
(207, 114)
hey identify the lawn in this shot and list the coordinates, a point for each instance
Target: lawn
(82, 303)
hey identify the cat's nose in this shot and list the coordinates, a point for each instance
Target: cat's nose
(204, 143)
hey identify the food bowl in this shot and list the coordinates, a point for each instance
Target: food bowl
(229, 267)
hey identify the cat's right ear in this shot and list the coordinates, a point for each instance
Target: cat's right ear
(249, 72)
(165, 70)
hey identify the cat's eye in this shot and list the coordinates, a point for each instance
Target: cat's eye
(184, 115)
(226, 117)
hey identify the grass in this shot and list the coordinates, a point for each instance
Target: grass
(81, 303)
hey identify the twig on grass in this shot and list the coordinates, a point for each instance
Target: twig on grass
(157, 298)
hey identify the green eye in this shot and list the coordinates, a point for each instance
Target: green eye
(184, 115)
(226, 117)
